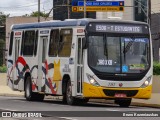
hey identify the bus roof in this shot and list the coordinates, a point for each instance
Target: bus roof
(67, 23)
(49, 24)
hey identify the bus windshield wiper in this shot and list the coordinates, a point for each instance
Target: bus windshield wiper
(105, 48)
(126, 49)
(128, 46)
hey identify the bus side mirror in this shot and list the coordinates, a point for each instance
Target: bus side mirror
(84, 43)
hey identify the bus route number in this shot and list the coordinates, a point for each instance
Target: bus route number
(101, 28)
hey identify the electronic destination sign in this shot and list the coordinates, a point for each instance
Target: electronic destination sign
(117, 28)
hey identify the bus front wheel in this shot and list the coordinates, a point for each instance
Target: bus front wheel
(29, 95)
(69, 98)
(28, 89)
(123, 102)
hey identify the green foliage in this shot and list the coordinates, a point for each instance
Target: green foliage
(35, 14)
(2, 25)
(3, 19)
(2, 52)
(3, 69)
(156, 68)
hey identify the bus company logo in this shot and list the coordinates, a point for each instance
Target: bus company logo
(6, 114)
(120, 84)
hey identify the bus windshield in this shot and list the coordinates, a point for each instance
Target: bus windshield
(118, 54)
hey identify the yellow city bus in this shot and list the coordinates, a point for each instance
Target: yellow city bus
(81, 59)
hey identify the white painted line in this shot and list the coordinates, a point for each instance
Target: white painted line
(19, 101)
(67, 118)
(7, 109)
(112, 110)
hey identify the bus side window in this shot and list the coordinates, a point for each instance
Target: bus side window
(22, 44)
(29, 43)
(53, 44)
(65, 43)
(35, 43)
(11, 44)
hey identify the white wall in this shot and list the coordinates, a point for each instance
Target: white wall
(155, 6)
(126, 15)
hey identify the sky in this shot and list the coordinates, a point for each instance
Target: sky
(22, 7)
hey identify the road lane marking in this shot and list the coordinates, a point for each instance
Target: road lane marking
(112, 110)
(67, 118)
(4, 109)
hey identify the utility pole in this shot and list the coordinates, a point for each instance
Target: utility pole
(84, 8)
(38, 10)
(65, 5)
(68, 8)
(149, 12)
(53, 9)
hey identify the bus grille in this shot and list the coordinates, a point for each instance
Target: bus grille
(129, 93)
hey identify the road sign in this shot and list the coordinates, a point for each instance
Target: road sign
(101, 3)
(98, 9)
(74, 9)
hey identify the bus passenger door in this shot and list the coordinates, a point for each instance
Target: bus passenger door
(41, 60)
(79, 65)
(15, 58)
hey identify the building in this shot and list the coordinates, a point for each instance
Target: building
(128, 13)
(63, 10)
(18, 20)
(133, 10)
(155, 28)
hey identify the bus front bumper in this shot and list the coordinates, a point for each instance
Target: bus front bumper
(90, 91)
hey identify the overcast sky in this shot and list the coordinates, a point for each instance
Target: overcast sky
(22, 7)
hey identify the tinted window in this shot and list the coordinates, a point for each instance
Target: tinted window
(65, 43)
(11, 44)
(28, 42)
(36, 43)
(53, 44)
(22, 44)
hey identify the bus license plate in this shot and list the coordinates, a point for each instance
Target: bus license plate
(120, 95)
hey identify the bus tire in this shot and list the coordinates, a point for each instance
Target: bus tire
(29, 95)
(64, 100)
(123, 102)
(69, 98)
(85, 100)
(39, 97)
(82, 101)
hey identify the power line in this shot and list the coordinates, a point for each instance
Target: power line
(22, 6)
(146, 7)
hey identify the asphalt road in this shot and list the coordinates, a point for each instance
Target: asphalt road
(56, 110)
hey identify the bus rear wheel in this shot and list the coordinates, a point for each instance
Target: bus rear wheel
(123, 102)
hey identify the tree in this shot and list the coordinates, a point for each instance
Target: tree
(2, 36)
(3, 19)
(2, 25)
(35, 14)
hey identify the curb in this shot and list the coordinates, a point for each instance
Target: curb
(145, 105)
(139, 104)
(11, 95)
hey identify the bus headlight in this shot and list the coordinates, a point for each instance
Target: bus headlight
(92, 80)
(146, 83)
